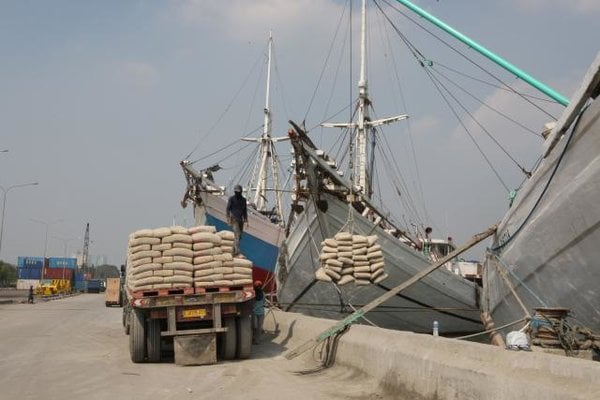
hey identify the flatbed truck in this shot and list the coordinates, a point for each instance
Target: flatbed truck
(201, 324)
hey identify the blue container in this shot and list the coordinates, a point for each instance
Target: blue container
(80, 286)
(79, 277)
(29, 273)
(60, 262)
(30, 262)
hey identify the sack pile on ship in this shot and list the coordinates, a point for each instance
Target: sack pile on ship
(178, 257)
(349, 258)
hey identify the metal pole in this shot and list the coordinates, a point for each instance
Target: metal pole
(47, 224)
(4, 194)
(487, 53)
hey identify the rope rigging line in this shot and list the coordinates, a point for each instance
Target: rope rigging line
(468, 59)
(461, 122)
(253, 100)
(326, 61)
(483, 103)
(547, 185)
(226, 109)
(280, 88)
(237, 151)
(399, 186)
(239, 177)
(419, 181)
(422, 60)
(489, 83)
(226, 146)
(492, 329)
(413, 49)
(527, 173)
(425, 62)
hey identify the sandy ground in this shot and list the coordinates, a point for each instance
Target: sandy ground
(75, 348)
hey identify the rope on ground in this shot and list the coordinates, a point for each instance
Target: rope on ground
(327, 353)
(492, 329)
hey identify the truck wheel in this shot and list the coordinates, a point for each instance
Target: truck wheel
(126, 312)
(137, 336)
(229, 339)
(244, 336)
(153, 342)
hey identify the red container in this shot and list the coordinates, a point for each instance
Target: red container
(58, 273)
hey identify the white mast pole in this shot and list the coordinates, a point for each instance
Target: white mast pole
(363, 122)
(260, 194)
(363, 111)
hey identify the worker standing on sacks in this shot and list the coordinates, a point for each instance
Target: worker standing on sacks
(237, 215)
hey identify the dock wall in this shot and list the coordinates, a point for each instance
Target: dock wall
(418, 366)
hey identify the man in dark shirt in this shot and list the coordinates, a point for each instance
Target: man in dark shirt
(237, 215)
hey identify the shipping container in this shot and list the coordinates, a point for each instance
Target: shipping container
(80, 286)
(24, 284)
(78, 277)
(29, 273)
(30, 262)
(58, 273)
(61, 262)
(94, 286)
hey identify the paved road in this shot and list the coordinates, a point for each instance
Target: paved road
(75, 348)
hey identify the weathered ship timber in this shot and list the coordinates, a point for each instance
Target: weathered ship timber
(545, 253)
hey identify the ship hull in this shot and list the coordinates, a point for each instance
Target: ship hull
(442, 296)
(549, 253)
(260, 240)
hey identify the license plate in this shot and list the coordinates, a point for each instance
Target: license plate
(194, 313)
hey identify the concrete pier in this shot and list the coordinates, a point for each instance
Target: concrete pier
(420, 366)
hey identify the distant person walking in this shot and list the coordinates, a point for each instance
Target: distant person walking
(30, 297)
(258, 312)
(237, 215)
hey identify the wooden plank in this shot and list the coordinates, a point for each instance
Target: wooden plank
(340, 326)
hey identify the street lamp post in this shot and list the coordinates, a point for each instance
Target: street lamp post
(4, 193)
(47, 224)
(65, 242)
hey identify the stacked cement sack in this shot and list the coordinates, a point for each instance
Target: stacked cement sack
(160, 258)
(214, 263)
(349, 258)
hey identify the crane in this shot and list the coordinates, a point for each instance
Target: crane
(86, 248)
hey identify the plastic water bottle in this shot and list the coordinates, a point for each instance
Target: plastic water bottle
(436, 328)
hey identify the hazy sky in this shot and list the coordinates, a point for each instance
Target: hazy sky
(100, 100)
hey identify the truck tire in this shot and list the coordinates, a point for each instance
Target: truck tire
(244, 336)
(137, 336)
(229, 341)
(153, 340)
(126, 312)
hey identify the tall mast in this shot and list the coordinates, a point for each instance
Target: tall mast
(363, 123)
(360, 165)
(267, 153)
(265, 143)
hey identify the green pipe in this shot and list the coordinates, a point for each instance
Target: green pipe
(482, 50)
